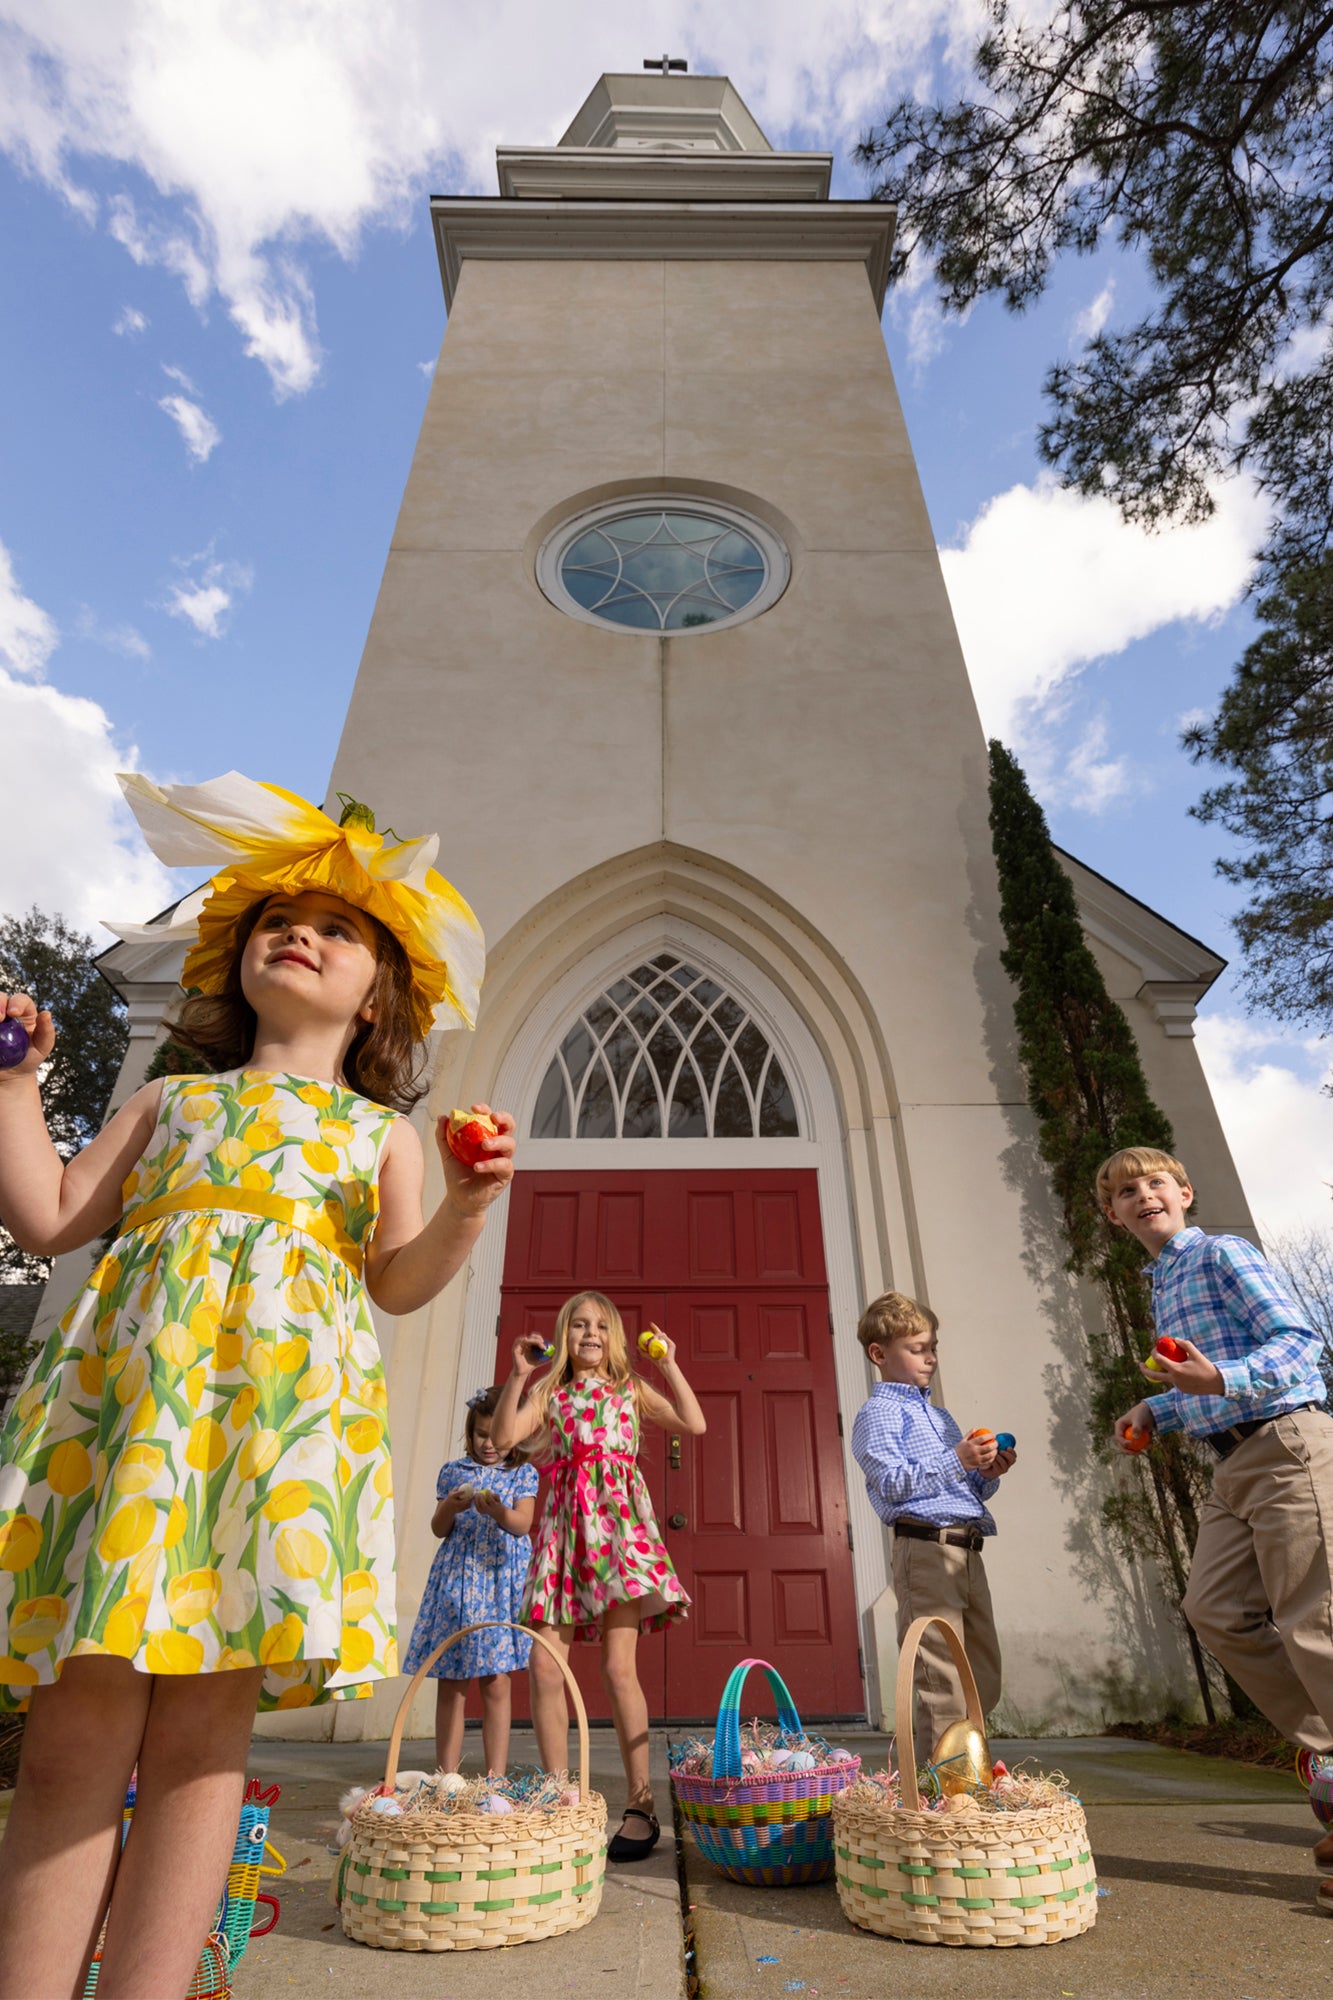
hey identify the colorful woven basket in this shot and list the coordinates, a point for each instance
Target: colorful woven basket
(465, 1881)
(234, 1924)
(971, 1878)
(766, 1828)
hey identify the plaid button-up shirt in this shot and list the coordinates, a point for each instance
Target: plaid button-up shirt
(1221, 1293)
(904, 1445)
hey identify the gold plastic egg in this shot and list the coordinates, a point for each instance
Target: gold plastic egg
(962, 1759)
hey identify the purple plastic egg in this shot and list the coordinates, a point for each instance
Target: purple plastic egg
(13, 1044)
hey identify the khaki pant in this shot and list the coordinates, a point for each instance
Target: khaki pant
(938, 1580)
(1260, 1592)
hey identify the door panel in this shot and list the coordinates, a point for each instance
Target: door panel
(732, 1265)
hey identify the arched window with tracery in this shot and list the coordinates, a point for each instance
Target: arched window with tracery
(665, 1052)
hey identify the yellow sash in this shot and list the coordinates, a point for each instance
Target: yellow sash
(204, 1199)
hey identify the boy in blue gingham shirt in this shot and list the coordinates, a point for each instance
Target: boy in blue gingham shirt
(929, 1484)
(1260, 1592)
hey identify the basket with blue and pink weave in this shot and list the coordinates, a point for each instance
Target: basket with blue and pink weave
(761, 1807)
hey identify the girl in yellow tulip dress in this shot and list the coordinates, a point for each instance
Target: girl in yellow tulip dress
(195, 1493)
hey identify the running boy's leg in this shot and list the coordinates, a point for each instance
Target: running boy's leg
(930, 1580)
(495, 1711)
(191, 1780)
(63, 1837)
(979, 1635)
(1259, 1589)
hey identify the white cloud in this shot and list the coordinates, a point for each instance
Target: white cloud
(1268, 1085)
(124, 639)
(207, 592)
(259, 130)
(200, 433)
(1046, 580)
(1089, 323)
(28, 634)
(58, 761)
(427, 367)
(129, 320)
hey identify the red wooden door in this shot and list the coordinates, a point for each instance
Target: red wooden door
(755, 1512)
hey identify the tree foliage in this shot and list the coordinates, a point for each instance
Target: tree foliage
(1200, 136)
(1274, 731)
(1087, 1089)
(40, 954)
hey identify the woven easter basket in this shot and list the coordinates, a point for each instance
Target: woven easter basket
(970, 1878)
(768, 1829)
(465, 1881)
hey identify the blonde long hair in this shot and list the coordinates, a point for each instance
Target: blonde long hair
(617, 1363)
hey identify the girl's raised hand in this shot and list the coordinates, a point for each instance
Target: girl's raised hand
(39, 1028)
(474, 1188)
(529, 1354)
(663, 1361)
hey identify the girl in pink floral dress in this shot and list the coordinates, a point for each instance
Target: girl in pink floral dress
(599, 1566)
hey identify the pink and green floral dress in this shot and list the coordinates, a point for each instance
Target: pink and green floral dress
(597, 1541)
(195, 1475)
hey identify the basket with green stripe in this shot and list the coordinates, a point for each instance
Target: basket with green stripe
(970, 1878)
(467, 1881)
(764, 1827)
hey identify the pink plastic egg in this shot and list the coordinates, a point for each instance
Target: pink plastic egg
(496, 1804)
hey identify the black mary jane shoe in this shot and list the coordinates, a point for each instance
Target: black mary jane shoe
(622, 1848)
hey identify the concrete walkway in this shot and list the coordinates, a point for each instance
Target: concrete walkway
(1208, 1887)
(1209, 1890)
(632, 1950)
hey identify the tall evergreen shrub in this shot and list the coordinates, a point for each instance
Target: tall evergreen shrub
(1090, 1096)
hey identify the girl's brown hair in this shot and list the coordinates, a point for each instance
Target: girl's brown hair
(484, 1405)
(384, 1060)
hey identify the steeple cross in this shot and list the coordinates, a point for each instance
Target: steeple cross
(665, 63)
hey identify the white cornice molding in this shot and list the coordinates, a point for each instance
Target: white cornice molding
(142, 964)
(688, 113)
(844, 232)
(1176, 969)
(594, 173)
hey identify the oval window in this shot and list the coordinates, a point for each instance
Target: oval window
(663, 566)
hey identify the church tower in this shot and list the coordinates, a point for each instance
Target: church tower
(663, 648)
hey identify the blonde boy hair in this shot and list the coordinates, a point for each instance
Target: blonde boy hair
(1128, 1164)
(893, 1316)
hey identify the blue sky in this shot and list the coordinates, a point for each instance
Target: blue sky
(224, 303)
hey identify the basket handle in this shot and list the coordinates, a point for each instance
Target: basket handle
(488, 1625)
(727, 1743)
(905, 1706)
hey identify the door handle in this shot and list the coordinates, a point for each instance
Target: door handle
(675, 1521)
(675, 1454)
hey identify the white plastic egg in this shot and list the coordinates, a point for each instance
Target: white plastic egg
(447, 1783)
(801, 1760)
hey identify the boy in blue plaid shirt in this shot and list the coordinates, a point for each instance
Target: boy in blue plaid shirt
(929, 1485)
(1260, 1592)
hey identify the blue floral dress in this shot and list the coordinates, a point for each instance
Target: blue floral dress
(478, 1572)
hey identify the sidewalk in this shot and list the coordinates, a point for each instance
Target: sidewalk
(1205, 1864)
(1209, 1891)
(632, 1950)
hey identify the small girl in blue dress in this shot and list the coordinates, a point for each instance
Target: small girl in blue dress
(479, 1571)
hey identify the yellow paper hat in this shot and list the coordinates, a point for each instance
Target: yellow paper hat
(263, 841)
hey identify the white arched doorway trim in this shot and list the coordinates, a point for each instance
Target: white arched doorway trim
(822, 1147)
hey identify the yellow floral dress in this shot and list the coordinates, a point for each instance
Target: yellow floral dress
(195, 1475)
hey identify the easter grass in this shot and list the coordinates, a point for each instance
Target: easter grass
(1243, 1740)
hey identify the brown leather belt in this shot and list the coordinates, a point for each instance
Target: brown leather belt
(1225, 1442)
(958, 1538)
